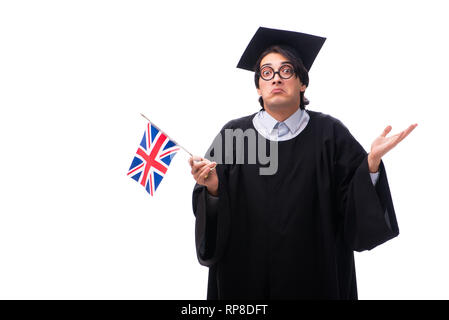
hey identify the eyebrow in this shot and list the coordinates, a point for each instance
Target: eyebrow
(269, 64)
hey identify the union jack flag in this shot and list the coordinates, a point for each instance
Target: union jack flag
(152, 158)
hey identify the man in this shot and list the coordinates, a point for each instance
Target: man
(290, 234)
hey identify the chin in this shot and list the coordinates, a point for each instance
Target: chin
(277, 102)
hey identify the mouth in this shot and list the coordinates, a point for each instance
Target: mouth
(277, 90)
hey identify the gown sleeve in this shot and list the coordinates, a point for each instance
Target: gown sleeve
(212, 214)
(368, 216)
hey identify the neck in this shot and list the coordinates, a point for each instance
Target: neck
(281, 113)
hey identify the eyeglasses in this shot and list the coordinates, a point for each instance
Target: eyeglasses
(285, 72)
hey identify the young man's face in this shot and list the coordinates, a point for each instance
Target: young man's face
(277, 92)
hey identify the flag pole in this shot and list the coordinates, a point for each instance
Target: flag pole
(152, 123)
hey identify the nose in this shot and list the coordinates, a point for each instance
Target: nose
(277, 78)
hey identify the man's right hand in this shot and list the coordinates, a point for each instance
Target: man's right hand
(204, 173)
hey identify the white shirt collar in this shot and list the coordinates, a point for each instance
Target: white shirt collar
(293, 122)
(296, 123)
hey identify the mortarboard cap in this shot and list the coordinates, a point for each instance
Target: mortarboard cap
(306, 46)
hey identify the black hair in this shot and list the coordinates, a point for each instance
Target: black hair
(293, 57)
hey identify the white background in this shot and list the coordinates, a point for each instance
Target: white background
(74, 76)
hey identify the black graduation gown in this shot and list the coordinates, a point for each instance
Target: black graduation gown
(291, 235)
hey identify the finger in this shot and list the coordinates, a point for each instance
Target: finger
(386, 131)
(202, 163)
(199, 172)
(390, 144)
(210, 167)
(400, 136)
(199, 165)
(197, 175)
(204, 174)
(194, 160)
(395, 141)
(407, 131)
(411, 128)
(209, 170)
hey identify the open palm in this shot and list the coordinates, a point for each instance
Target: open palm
(383, 144)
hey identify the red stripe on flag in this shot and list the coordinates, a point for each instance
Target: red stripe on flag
(162, 155)
(136, 169)
(150, 158)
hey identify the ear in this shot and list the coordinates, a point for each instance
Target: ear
(302, 87)
(259, 92)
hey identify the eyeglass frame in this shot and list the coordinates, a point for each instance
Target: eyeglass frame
(278, 72)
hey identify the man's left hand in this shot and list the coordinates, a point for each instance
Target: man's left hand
(383, 144)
